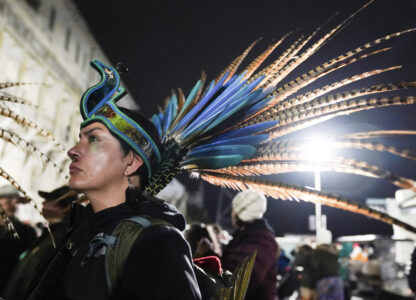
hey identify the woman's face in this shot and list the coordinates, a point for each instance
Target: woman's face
(98, 161)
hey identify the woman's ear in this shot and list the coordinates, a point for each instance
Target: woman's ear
(133, 164)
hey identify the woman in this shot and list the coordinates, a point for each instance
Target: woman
(125, 244)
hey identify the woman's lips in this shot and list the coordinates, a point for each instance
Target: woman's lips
(73, 170)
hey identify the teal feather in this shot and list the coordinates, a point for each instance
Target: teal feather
(191, 96)
(246, 151)
(245, 131)
(168, 115)
(156, 121)
(174, 101)
(245, 140)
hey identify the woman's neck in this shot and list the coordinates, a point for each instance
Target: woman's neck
(110, 197)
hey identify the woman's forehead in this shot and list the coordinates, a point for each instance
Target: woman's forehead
(95, 126)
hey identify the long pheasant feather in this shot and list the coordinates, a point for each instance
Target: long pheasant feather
(308, 96)
(15, 139)
(26, 122)
(278, 150)
(341, 165)
(380, 133)
(336, 109)
(251, 68)
(232, 68)
(13, 182)
(292, 192)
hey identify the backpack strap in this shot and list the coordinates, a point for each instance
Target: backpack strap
(126, 233)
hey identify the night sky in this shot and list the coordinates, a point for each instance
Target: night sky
(167, 44)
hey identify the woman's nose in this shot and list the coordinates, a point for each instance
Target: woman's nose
(74, 152)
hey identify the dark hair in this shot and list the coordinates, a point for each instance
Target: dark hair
(150, 128)
(195, 233)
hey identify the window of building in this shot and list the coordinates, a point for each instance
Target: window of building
(52, 16)
(84, 61)
(67, 38)
(35, 4)
(77, 51)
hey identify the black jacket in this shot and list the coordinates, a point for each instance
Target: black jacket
(159, 265)
(11, 248)
(412, 274)
(29, 265)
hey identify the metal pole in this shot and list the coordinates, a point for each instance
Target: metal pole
(318, 211)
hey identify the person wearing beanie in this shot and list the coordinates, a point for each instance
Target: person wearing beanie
(253, 233)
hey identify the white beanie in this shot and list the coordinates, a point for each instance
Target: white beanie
(249, 205)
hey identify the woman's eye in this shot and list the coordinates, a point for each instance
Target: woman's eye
(92, 139)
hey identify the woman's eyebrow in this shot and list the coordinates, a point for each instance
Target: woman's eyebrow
(89, 131)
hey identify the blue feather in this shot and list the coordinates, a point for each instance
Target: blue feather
(246, 151)
(258, 106)
(232, 110)
(245, 131)
(156, 121)
(218, 102)
(209, 93)
(244, 140)
(221, 115)
(235, 95)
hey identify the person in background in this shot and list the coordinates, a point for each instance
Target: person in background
(253, 233)
(288, 281)
(344, 264)
(324, 263)
(307, 282)
(411, 277)
(202, 240)
(11, 247)
(55, 209)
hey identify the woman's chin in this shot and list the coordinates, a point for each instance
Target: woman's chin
(75, 185)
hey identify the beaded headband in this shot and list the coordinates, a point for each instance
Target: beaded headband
(98, 104)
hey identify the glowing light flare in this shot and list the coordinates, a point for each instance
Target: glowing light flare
(317, 150)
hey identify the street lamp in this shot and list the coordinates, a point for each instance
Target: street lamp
(317, 150)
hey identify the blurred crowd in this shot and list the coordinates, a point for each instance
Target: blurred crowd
(310, 272)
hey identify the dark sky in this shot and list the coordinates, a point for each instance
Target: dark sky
(166, 44)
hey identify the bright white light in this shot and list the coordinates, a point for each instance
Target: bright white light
(317, 150)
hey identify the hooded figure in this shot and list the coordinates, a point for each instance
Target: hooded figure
(253, 233)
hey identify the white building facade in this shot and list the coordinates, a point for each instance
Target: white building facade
(48, 43)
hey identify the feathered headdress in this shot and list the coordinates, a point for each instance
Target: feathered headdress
(99, 104)
(233, 130)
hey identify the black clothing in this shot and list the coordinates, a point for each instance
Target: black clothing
(324, 262)
(303, 259)
(159, 265)
(11, 248)
(30, 265)
(411, 278)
